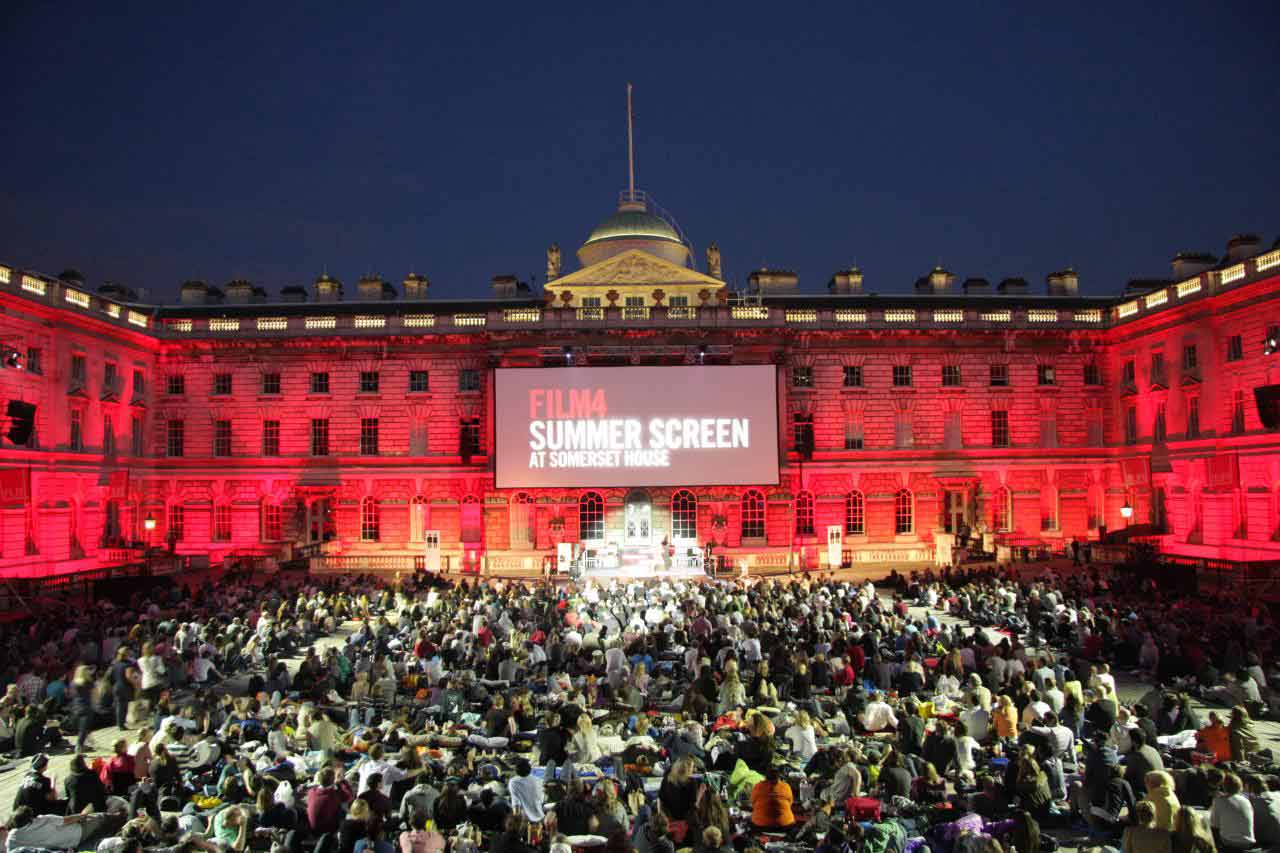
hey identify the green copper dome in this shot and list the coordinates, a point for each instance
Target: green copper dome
(634, 224)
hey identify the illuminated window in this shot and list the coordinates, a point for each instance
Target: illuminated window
(951, 375)
(1049, 509)
(468, 380)
(1002, 510)
(1159, 431)
(272, 522)
(999, 375)
(634, 302)
(270, 438)
(320, 383)
(591, 517)
(222, 523)
(853, 376)
(75, 440)
(855, 514)
(591, 302)
(222, 384)
(802, 377)
(902, 375)
(684, 516)
(370, 520)
(177, 526)
(175, 384)
(1237, 411)
(369, 381)
(678, 301)
(1092, 375)
(368, 436)
(222, 438)
(419, 382)
(1235, 348)
(1193, 417)
(419, 513)
(271, 383)
(804, 514)
(752, 515)
(999, 428)
(904, 513)
(1045, 374)
(853, 434)
(319, 437)
(176, 438)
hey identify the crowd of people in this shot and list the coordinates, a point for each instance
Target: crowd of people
(963, 712)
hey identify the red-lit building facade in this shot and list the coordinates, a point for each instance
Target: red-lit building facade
(360, 422)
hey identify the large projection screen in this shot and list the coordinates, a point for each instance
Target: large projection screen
(636, 426)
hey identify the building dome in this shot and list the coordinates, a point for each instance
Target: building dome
(634, 226)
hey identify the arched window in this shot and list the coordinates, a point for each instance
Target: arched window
(370, 520)
(855, 514)
(1048, 508)
(419, 513)
(684, 516)
(1002, 510)
(222, 523)
(471, 519)
(804, 514)
(752, 515)
(590, 517)
(904, 512)
(272, 521)
(520, 513)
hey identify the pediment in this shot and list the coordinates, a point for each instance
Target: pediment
(635, 266)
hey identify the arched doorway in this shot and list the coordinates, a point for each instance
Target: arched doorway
(638, 518)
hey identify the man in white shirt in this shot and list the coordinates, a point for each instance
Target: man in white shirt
(49, 831)
(977, 721)
(878, 716)
(526, 792)
(375, 764)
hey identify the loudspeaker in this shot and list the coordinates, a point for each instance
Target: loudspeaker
(1268, 399)
(22, 420)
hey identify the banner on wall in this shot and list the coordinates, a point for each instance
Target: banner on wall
(15, 485)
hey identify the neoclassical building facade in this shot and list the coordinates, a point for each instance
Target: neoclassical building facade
(356, 425)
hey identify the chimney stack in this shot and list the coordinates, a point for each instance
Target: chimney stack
(1188, 264)
(415, 286)
(975, 286)
(1063, 283)
(1012, 285)
(1242, 246)
(328, 289)
(848, 282)
(765, 280)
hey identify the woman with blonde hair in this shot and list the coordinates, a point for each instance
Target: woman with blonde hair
(732, 691)
(584, 746)
(803, 734)
(1163, 799)
(1004, 718)
(679, 790)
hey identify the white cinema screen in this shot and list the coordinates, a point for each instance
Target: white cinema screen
(636, 426)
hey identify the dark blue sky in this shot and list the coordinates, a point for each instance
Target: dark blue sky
(149, 146)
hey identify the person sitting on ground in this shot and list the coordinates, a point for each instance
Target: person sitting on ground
(1231, 815)
(771, 802)
(1144, 836)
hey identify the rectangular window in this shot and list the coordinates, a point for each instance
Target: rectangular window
(110, 377)
(320, 383)
(175, 442)
(469, 380)
(802, 433)
(1193, 417)
(136, 447)
(319, 437)
(369, 381)
(177, 523)
(368, 436)
(1131, 425)
(1092, 373)
(1159, 428)
(222, 438)
(999, 375)
(34, 362)
(1157, 370)
(853, 376)
(222, 384)
(1190, 357)
(802, 377)
(678, 302)
(419, 382)
(272, 523)
(108, 436)
(270, 438)
(902, 375)
(76, 441)
(1237, 412)
(78, 372)
(999, 428)
(1235, 348)
(853, 435)
(903, 431)
(175, 384)
(634, 302)
(469, 437)
(222, 523)
(271, 383)
(1129, 375)
(139, 384)
(951, 376)
(591, 302)
(1045, 375)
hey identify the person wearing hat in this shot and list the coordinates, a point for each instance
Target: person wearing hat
(36, 790)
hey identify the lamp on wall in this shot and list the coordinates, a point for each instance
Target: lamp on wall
(1126, 511)
(149, 523)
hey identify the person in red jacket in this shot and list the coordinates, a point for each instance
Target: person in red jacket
(325, 801)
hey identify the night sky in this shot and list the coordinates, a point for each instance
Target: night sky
(149, 146)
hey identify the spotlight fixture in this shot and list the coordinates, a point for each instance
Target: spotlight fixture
(12, 358)
(702, 353)
(1271, 345)
(568, 355)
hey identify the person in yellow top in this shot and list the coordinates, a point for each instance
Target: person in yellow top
(771, 802)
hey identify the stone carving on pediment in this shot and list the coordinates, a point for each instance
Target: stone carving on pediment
(196, 490)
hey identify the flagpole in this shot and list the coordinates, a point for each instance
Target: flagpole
(631, 156)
